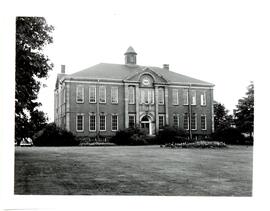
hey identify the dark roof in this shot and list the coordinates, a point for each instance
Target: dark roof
(130, 50)
(122, 71)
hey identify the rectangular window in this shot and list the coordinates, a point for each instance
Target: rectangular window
(131, 121)
(114, 122)
(114, 95)
(194, 121)
(92, 122)
(92, 94)
(161, 121)
(79, 123)
(203, 122)
(161, 96)
(102, 94)
(203, 99)
(186, 121)
(102, 122)
(79, 94)
(147, 96)
(175, 97)
(185, 96)
(131, 94)
(175, 120)
(193, 97)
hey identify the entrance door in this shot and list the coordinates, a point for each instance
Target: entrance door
(145, 126)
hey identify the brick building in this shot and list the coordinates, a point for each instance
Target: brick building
(102, 99)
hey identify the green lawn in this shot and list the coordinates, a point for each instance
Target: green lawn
(140, 170)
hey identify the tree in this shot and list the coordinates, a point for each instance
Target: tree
(244, 113)
(32, 35)
(222, 118)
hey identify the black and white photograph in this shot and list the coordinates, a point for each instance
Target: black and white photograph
(113, 102)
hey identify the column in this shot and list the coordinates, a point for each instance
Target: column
(156, 108)
(67, 102)
(166, 106)
(212, 109)
(137, 94)
(126, 105)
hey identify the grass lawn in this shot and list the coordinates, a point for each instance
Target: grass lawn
(139, 170)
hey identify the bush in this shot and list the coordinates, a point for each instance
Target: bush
(198, 144)
(229, 136)
(130, 136)
(51, 135)
(171, 135)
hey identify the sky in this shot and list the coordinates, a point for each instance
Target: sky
(208, 40)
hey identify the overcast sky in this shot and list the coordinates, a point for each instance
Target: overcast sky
(215, 41)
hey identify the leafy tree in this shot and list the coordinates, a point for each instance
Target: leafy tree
(222, 118)
(32, 35)
(244, 114)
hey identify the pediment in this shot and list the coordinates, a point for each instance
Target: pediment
(157, 78)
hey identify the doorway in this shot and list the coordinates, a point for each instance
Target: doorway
(146, 124)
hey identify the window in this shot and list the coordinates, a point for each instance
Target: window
(186, 121)
(131, 94)
(175, 97)
(194, 121)
(92, 122)
(102, 94)
(175, 120)
(147, 96)
(161, 96)
(92, 94)
(185, 96)
(79, 94)
(203, 99)
(193, 97)
(161, 121)
(114, 122)
(131, 121)
(102, 122)
(203, 122)
(114, 95)
(79, 123)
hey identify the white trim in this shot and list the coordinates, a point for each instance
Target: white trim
(196, 122)
(105, 96)
(95, 88)
(191, 97)
(77, 90)
(177, 97)
(204, 121)
(82, 123)
(90, 122)
(203, 99)
(178, 122)
(100, 122)
(133, 95)
(186, 98)
(95, 81)
(163, 116)
(114, 88)
(116, 122)
(134, 115)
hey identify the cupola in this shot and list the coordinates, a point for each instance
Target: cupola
(130, 56)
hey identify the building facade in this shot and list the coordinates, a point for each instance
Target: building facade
(100, 100)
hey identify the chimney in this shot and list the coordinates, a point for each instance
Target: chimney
(166, 66)
(63, 69)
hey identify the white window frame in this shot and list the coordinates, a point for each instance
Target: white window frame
(196, 122)
(134, 122)
(77, 92)
(114, 88)
(185, 97)
(131, 89)
(193, 97)
(100, 89)
(205, 122)
(163, 117)
(186, 115)
(100, 122)
(90, 115)
(161, 96)
(203, 99)
(114, 115)
(177, 116)
(175, 99)
(95, 94)
(82, 130)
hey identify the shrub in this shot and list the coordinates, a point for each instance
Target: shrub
(171, 135)
(130, 136)
(51, 135)
(229, 136)
(198, 144)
